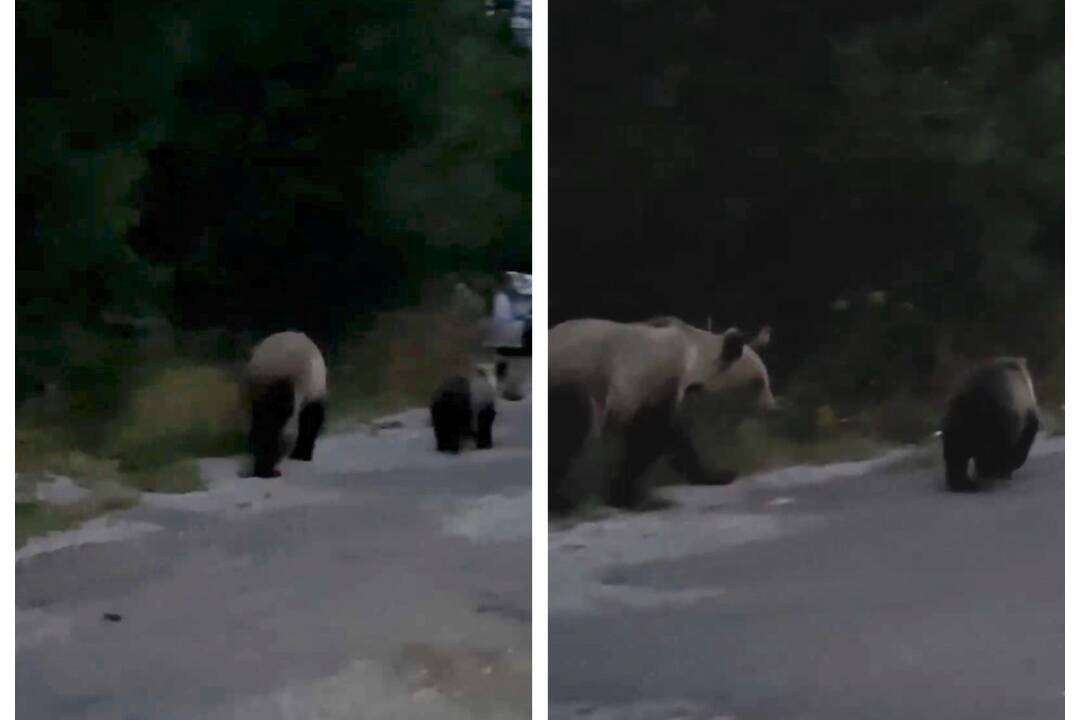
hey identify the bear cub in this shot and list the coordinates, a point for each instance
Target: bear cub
(464, 407)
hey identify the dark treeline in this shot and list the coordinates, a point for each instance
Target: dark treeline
(260, 165)
(757, 162)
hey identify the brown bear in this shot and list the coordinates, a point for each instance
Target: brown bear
(992, 417)
(614, 394)
(285, 392)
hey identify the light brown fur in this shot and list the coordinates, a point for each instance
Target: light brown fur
(630, 379)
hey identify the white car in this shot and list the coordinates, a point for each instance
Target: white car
(511, 317)
(510, 335)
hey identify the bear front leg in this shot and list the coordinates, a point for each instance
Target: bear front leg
(687, 461)
(956, 467)
(485, 420)
(631, 455)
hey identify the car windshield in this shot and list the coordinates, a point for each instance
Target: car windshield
(520, 283)
(519, 293)
(521, 306)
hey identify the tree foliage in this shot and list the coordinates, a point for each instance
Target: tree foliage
(757, 162)
(261, 164)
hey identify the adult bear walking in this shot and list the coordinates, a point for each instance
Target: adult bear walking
(992, 417)
(617, 388)
(285, 384)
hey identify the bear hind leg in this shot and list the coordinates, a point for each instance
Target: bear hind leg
(310, 424)
(448, 428)
(485, 420)
(269, 413)
(1023, 445)
(956, 467)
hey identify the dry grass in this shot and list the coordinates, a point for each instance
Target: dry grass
(1050, 388)
(38, 518)
(902, 419)
(33, 518)
(809, 432)
(179, 412)
(40, 448)
(803, 433)
(758, 444)
(181, 476)
(401, 361)
(146, 439)
(1053, 421)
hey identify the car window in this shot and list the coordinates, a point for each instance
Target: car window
(521, 306)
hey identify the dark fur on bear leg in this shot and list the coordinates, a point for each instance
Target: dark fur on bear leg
(310, 425)
(568, 427)
(451, 415)
(448, 442)
(652, 433)
(485, 419)
(685, 459)
(1023, 445)
(628, 489)
(992, 466)
(447, 431)
(270, 411)
(956, 467)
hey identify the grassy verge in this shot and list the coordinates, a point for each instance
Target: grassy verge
(731, 440)
(34, 518)
(811, 433)
(141, 426)
(401, 360)
(175, 413)
(38, 518)
(756, 447)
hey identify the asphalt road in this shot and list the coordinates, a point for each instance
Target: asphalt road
(860, 591)
(381, 581)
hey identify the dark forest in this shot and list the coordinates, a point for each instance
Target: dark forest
(883, 183)
(258, 166)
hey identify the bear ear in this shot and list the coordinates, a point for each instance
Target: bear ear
(732, 349)
(763, 338)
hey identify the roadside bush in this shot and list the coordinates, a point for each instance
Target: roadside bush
(179, 411)
(904, 419)
(404, 356)
(797, 434)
